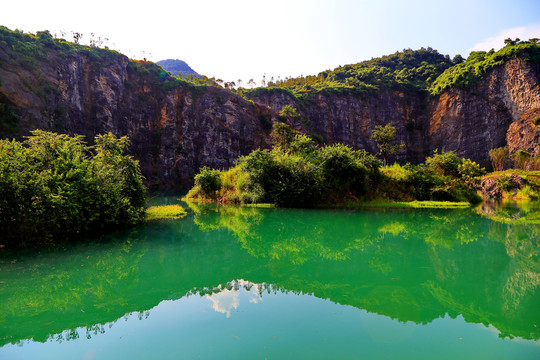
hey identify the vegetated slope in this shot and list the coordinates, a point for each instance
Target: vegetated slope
(177, 67)
(177, 126)
(405, 70)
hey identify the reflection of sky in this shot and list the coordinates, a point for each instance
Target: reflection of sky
(283, 326)
(227, 300)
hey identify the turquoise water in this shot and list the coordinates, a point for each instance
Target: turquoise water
(256, 283)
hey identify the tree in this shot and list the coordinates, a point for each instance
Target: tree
(77, 36)
(384, 136)
(458, 59)
(509, 41)
(498, 157)
(521, 159)
(282, 135)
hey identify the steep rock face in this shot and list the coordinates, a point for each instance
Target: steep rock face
(173, 132)
(475, 120)
(350, 118)
(525, 133)
(468, 121)
(175, 129)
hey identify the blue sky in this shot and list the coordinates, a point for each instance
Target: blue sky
(248, 38)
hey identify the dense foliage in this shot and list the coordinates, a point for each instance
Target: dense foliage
(411, 70)
(408, 69)
(53, 184)
(297, 173)
(480, 63)
(32, 47)
(442, 177)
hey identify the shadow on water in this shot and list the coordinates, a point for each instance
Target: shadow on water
(409, 265)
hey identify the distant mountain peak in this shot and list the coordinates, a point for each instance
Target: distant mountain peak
(175, 67)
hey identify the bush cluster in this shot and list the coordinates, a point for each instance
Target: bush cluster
(479, 63)
(443, 177)
(295, 173)
(53, 184)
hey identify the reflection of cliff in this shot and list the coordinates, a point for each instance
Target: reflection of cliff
(408, 265)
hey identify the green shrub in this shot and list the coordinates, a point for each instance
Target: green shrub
(369, 161)
(302, 145)
(498, 157)
(506, 183)
(395, 172)
(209, 182)
(341, 169)
(445, 164)
(469, 170)
(521, 159)
(296, 182)
(289, 112)
(536, 120)
(52, 185)
(421, 181)
(282, 135)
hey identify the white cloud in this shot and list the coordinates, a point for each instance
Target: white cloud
(496, 42)
(229, 300)
(225, 301)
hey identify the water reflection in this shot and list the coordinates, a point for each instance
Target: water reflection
(413, 266)
(227, 298)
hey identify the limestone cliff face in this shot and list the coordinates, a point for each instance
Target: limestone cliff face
(475, 120)
(173, 132)
(350, 118)
(525, 133)
(177, 129)
(468, 121)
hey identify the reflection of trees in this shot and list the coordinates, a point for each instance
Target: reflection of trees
(410, 265)
(293, 239)
(447, 253)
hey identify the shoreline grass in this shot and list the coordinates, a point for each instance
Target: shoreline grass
(428, 204)
(409, 204)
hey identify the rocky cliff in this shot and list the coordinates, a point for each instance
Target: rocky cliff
(483, 117)
(468, 121)
(176, 127)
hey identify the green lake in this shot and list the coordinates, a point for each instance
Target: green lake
(264, 283)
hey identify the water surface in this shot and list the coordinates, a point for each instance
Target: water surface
(255, 283)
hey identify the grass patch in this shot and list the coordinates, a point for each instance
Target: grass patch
(261, 205)
(165, 212)
(518, 172)
(413, 204)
